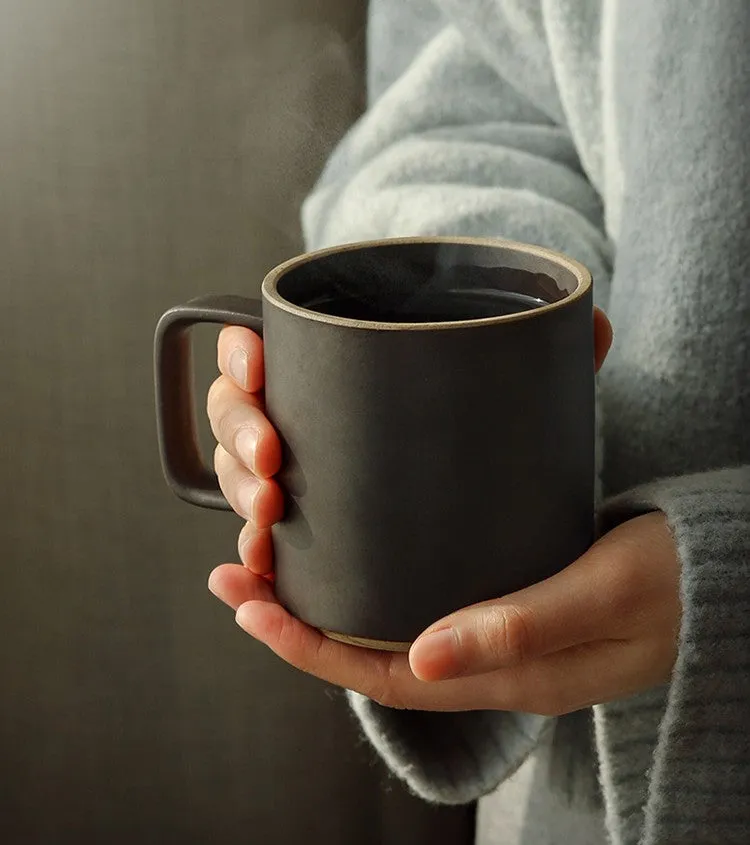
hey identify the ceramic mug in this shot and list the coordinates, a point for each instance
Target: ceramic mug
(435, 402)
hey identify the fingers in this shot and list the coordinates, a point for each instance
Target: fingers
(602, 337)
(258, 500)
(240, 358)
(383, 677)
(249, 450)
(242, 429)
(552, 685)
(255, 547)
(234, 585)
(305, 648)
(259, 614)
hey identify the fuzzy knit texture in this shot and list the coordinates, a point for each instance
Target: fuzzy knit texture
(615, 131)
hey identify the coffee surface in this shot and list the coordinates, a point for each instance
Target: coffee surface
(441, 306)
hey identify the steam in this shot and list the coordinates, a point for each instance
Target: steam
(302, 87)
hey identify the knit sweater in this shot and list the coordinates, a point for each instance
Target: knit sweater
(615, 131)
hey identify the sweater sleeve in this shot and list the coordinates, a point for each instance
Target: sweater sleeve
(451, 148)
(448, 146)
(676, 399)
(692, 736)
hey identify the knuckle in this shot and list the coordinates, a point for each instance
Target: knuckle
(226, 476)
(288, 638)
(489, 636)
(229, 422)
(383, 689)
(223, 425)
(515, 637)
(378, 689)
(316, 654)
(246, 489)
(229, 416)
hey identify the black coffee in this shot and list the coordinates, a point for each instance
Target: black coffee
(438, 307)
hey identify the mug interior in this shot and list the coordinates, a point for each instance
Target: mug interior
(425, 282)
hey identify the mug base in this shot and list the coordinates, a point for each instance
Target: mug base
(364, 642)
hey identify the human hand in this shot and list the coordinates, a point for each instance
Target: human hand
(248, 452)
(604, 628)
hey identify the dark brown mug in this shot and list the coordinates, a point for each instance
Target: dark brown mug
(435, 402)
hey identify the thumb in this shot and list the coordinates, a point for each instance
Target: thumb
(568, 609)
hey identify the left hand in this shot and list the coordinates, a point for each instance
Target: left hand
(604, 628)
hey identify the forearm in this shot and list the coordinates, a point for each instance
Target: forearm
(451, 148)
(693, 735)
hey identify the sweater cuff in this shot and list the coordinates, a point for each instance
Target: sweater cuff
(450, 758)
(675, 762)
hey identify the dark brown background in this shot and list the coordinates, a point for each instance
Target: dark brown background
(151, 150)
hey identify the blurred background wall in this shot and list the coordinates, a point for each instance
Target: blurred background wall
(150, 151)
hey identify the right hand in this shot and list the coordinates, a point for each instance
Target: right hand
(248, 453)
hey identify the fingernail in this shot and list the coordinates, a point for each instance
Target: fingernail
(246, 445)
(245, 618)
(215, 588)
(242, 548)
(238, 366)
(437, 654)
(249, 498)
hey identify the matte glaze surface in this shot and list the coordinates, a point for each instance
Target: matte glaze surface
(427, 466)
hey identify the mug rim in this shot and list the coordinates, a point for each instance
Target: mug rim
(270, 292)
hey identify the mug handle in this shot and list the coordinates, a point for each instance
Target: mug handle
(181, 459)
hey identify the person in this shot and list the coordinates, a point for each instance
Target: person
(610, 702)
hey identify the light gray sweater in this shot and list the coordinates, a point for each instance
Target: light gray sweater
(616, 131)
